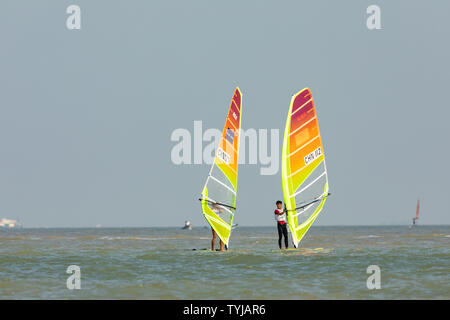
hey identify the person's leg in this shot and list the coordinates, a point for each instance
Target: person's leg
(221, 246)
(280, 234)
(285, 233)
(213, 242)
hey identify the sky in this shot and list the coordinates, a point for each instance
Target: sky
(86, 116)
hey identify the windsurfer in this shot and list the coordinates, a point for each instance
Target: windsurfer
(280, 218)
(216, 209)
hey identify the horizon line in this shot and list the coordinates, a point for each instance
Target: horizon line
(203, 226)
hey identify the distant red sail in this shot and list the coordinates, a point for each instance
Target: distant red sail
(417, 210)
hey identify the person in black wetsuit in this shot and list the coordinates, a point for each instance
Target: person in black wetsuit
(280, 218)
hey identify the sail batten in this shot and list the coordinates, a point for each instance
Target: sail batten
(219, 193)
(303, 170)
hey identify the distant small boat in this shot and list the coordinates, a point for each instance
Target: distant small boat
(187, 225)
(9, 223)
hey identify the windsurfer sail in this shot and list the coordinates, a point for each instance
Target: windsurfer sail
(417, 213)
(303, 170)
(219, 193)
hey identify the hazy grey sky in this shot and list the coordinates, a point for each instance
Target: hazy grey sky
(86, 115)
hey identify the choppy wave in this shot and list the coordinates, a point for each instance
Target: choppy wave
(368, 236)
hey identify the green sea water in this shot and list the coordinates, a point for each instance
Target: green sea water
(159, 263)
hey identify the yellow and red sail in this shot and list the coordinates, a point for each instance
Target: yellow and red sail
(303, 170)
(219, 193)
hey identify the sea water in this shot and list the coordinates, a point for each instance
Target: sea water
(160, 263)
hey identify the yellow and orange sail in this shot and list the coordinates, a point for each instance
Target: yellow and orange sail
(303, 169)
(219, 193)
